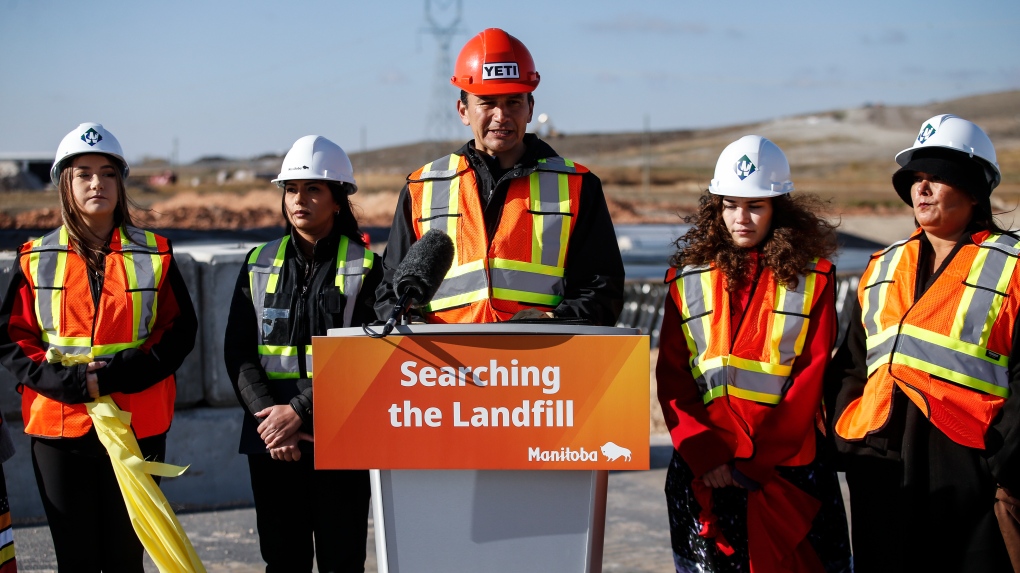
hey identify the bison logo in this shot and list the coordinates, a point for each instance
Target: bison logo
(613, 452)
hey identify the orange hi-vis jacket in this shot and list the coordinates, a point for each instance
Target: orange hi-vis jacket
(948, 351)
(69, 322)
(742, 375)
(523, 266)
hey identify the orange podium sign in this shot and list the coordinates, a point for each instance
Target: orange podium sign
(478, 402)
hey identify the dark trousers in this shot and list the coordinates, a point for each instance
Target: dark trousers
(84, 507)
(944, 523)
(296, 504)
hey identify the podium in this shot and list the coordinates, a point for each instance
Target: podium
(489, 444)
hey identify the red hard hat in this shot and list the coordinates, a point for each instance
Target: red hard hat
(495, 63)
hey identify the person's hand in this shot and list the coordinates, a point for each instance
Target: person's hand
(1003, 494)
(532, 313)
(92, 379)
(280, 423)
(721, 476)
(288, 450)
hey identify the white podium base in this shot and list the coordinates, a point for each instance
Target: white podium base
(447, 521)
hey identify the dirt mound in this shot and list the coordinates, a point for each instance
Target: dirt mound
(34, 219)
(261, 208)
(189, 210)
(639, 211)
(254, 209)
(375, 209)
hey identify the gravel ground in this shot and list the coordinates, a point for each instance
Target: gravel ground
(636, 541)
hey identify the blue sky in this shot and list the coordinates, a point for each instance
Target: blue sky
(243, 78)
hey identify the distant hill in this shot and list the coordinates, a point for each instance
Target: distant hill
(845, 156)
(855, 144)
(832, 152)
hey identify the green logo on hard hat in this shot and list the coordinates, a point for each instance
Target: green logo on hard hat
(744, 167)
(91, 137)
(926, 133)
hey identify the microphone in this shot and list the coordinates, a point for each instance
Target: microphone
(420, 273)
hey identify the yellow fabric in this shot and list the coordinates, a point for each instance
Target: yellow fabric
(151, 516)
(54, 355)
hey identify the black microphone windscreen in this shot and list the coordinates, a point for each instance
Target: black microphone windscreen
(424, 266)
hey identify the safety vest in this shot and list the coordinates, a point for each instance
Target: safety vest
(281, 362)
(524, 264)
(69, 321)
(749, 371)
(949, 350)
(757, 363)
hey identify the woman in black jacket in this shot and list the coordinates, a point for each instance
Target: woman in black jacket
(319, 276)
(925, 388)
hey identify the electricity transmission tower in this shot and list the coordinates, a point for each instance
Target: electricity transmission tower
(442, 121)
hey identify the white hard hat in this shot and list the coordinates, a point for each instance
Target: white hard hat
(952, 132)
(315, 157)
(751, 166)
(86, 138)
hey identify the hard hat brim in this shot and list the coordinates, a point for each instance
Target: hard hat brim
(777, 189)
(491, 88)
(992, 172)
(59, 165)
(280, 180)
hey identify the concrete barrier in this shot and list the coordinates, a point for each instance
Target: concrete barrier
(219, 276)
(204, 438)
(10, 400)
(190, 378)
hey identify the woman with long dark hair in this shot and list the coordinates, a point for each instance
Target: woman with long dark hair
(926, 412)
(320, 275)
(96, 307)
(749, 325)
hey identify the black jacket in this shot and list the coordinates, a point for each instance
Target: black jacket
(908, 481)
(594, 269)
(316, 305)
(130, 371)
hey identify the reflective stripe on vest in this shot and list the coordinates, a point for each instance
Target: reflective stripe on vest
(264, 266)
(143, 266)
(759, 381)
(282, 362)
(463, 284)
(538, 281)
(962, 356)
(353, 262)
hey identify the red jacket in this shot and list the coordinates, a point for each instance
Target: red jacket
(780, 431)
(707, 436)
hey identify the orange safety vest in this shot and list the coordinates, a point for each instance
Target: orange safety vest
(523, 267)
(949, 350)
(742, 375)
(68, 321)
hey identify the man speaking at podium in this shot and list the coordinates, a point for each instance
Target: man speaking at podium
(531, 230)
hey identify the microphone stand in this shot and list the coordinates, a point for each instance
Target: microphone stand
(403, 304)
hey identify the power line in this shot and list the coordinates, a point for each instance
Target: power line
(442, 121)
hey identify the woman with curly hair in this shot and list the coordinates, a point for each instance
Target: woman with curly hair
(749, 325)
